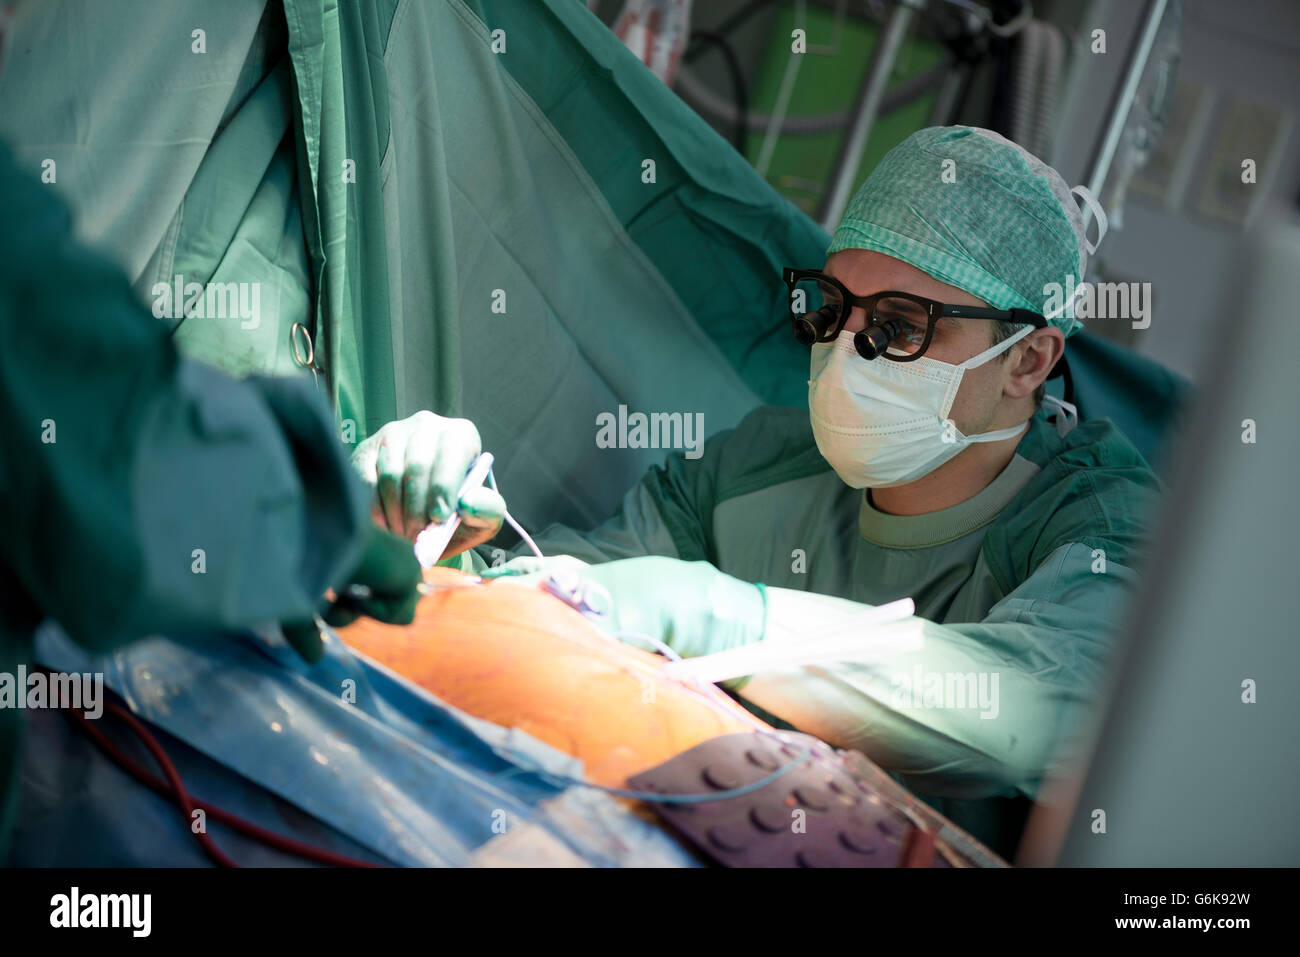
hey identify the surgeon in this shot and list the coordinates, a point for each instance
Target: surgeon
(929, 466)
(143, 493)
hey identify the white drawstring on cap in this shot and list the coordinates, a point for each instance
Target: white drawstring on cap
(1098, 213)
(1067, 414)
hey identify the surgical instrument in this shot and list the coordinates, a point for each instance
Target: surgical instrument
(433, 541)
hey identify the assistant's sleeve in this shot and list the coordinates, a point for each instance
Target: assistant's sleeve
(977, 710)
(140, 492)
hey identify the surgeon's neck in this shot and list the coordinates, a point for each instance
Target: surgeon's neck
(964, 477)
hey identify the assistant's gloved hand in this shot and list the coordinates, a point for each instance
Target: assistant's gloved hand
(416, 466)
(690, 606)
(389, 575)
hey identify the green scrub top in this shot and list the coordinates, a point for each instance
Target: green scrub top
(1028, 580)
(140, 492)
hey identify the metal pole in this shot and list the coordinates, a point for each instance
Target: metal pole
(855, 141)
(949, 91)
(1124, 103)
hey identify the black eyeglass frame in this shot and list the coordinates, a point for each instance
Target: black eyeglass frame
(806, 331)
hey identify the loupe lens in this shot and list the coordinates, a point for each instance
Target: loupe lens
(873, 341)
(814, 310)
(812, 327)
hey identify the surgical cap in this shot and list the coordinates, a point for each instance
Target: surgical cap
(996, 221)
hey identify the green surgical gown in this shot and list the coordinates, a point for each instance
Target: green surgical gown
(140, 492)
(1028, 580)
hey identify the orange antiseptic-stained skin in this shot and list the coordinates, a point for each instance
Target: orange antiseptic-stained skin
(517, 656)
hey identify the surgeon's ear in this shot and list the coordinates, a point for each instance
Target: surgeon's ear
(1031, 360)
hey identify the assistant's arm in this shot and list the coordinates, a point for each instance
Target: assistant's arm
(141, 492)
(1029, 676)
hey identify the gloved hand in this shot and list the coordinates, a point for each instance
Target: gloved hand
(690, 606)
(390, 575)
(416, 466)
(534, 567)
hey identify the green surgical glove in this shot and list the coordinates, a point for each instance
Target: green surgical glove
(416, 466)
(389, 573)
(690, 606)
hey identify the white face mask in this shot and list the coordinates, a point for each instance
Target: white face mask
(881, 423)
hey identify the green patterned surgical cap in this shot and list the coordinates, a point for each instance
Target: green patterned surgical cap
(996, 221)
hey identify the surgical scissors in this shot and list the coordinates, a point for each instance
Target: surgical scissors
(304, 351)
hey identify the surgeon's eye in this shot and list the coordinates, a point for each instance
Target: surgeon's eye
(910, 334)
(831, 300)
